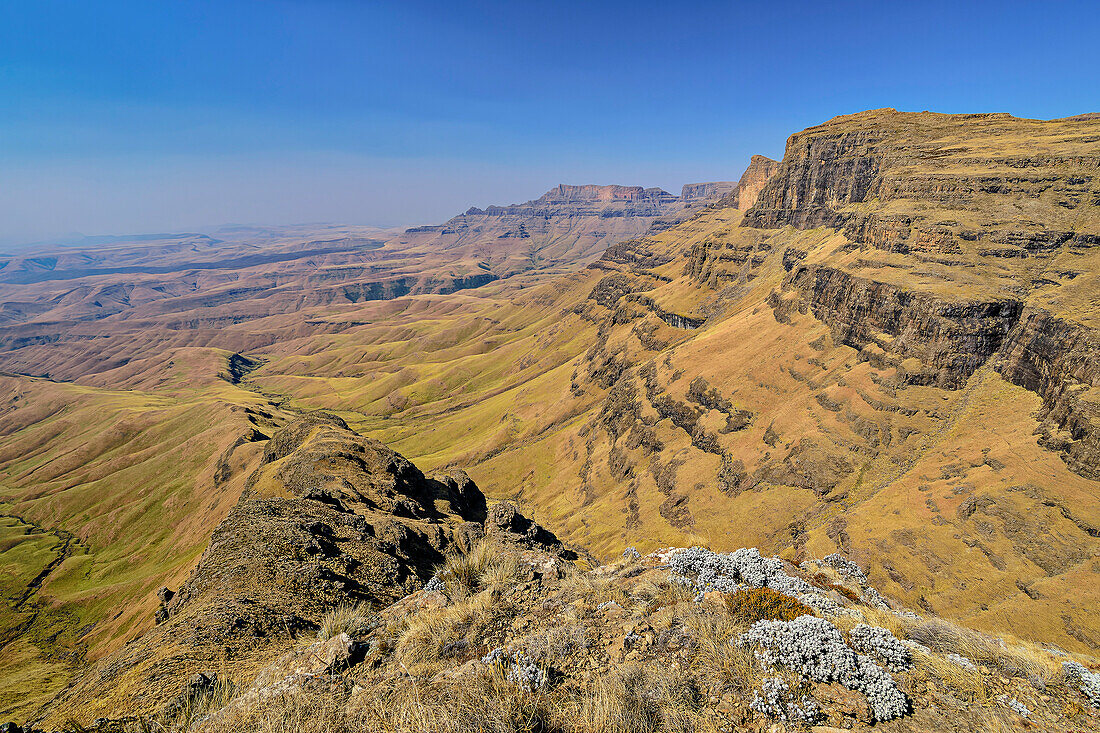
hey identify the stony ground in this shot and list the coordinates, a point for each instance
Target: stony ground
(511, 638)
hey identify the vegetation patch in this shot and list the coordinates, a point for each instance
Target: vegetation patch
(750, 605)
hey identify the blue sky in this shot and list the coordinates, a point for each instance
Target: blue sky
(122, 117)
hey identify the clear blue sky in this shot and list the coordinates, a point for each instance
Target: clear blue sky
(122, 117)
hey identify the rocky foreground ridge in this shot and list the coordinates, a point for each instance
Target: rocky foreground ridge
(349, 592)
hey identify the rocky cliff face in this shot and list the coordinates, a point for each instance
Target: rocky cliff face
(948, 339)
(752, 182)
(1060, 361)
(967, 273)
(830, 173)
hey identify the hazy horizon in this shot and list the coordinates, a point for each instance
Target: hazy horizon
(128, 117)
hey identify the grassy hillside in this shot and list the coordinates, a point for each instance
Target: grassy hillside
(891, 354)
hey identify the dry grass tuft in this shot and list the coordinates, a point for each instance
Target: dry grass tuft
(729, 665)
(968, 684)
(353, 619)
(845, 591)
(1013, 658)
(198, 705)
(449, 632)
(484, 701)
(485, 566)
(879, 617)
(596, 589)
(638, 700)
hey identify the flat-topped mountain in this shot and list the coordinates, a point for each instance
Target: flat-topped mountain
(567, 224)
(565, 192)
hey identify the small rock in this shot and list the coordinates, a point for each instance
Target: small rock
(319, 658)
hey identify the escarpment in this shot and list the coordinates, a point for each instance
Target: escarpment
(1060, 361)
(939, 342)
(951, 195)
(950, 339)
(966, 273)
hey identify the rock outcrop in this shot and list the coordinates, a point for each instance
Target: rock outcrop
(752, 182)
(950, 339)
(830, 170)
(329, 518)
(1060, 361)
(707, 191)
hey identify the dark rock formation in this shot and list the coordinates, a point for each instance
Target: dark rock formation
(951, 339)
(329, 517)
(1060, 361)
(505, 523)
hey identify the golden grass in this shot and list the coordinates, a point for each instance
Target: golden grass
(730, 665)
(968, 684)
(639, 700)
(197, 706)
(353, 619)
(629, 700)
(1010, 657)
(484, 566)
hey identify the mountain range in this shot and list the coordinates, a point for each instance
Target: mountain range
(884, 345)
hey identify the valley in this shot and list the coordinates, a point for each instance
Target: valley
(886, 345)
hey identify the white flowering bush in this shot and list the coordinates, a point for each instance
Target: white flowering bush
(525, 673)
(848, 569)
(774, 699)
(882, 645)
(1088, 682)
(873, 598)
(845, 567)
(815, 648)
(1016, 705)
(820, 603)
(727, 572)
(518, 667)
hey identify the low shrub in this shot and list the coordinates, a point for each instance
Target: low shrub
(750, 605)
(1088, 682)
(881, 644)
(775, 699)
(815, 649)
